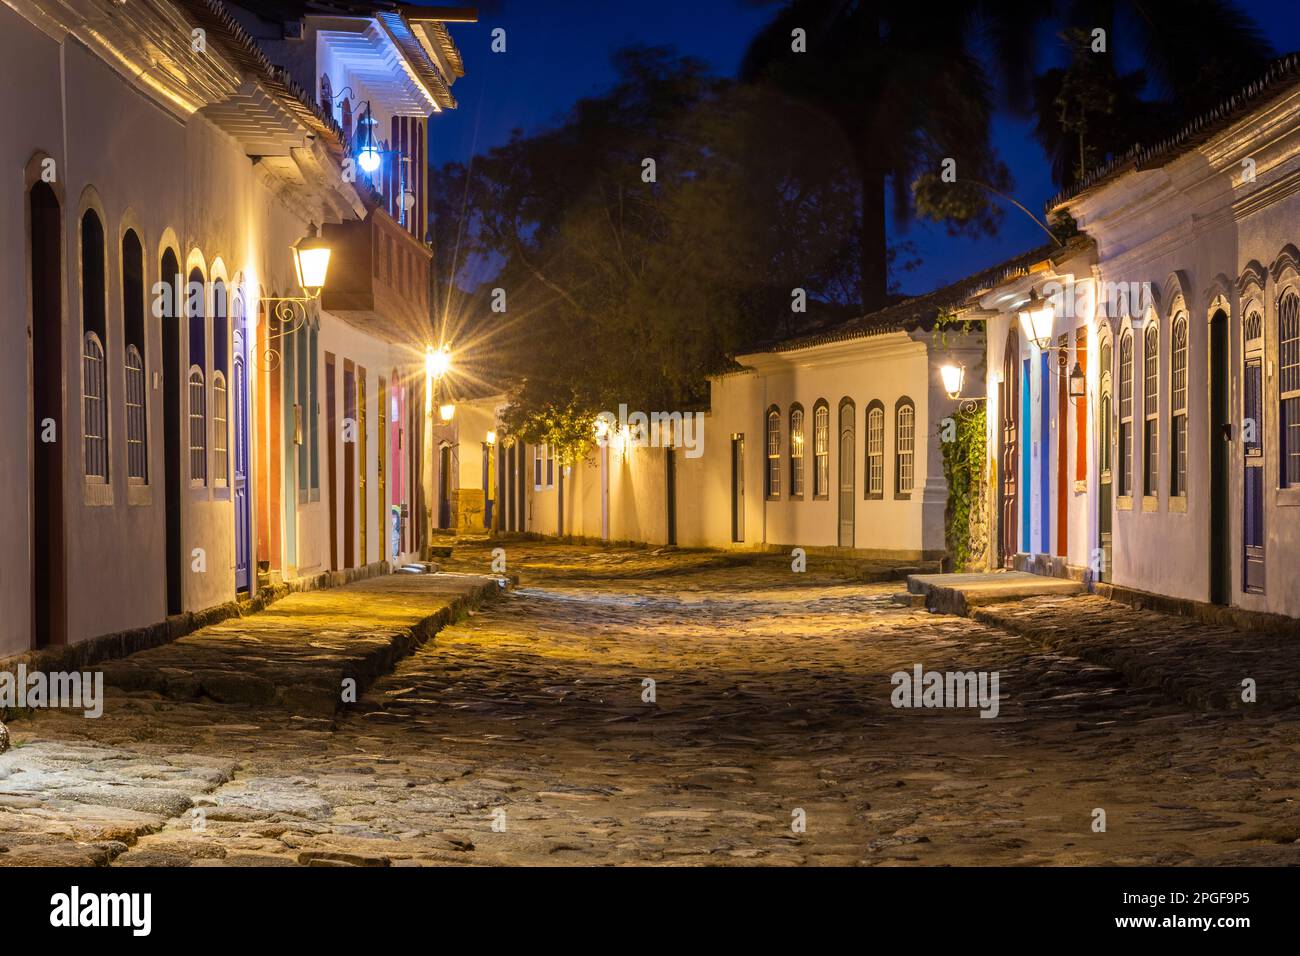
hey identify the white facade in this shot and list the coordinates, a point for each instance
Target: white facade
(126, 170)
(1197, 277)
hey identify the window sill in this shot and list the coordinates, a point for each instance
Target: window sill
(139, 495)
(97, 494)
(1287, 498)
(821, 498)
(1178, 504)
(1124, 503)
(771, 497)
(874, 496)
(902, 496)
(1150, 504)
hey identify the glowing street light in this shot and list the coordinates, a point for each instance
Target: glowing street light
(491, 438)
(437, 362)
(445, 412)
(311, 262)
(1036, 321)
(953, 378)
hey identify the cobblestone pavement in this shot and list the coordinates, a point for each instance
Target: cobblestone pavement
(520, 735)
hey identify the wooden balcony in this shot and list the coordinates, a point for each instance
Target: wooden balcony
(379, 278)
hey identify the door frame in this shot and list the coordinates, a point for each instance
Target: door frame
(847, 429)
(1009, 449)
(47, 557)
(239, 489)
(1221, 432)
(738, 487)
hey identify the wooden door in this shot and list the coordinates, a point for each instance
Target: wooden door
(848, 474)
(1009, 456)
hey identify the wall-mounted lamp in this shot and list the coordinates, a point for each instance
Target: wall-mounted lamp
(1036, 321)
(953, 378)
(445, 412)
(491, 438)
(1078, 383)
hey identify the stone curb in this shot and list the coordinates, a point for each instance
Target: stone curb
(115, 646)
(1136, 663)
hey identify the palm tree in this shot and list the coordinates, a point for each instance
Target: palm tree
(1088, 112)
(908, 85)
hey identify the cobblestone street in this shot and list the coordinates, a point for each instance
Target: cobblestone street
(520, 734)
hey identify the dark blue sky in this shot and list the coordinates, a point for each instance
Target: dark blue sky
(558, 51)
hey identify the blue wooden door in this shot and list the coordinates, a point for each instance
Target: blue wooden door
(243, 577)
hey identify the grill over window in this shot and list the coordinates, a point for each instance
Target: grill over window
(796, 452)
(198, 428)
(905, 448)
(95, 420)
(1289, 387)
(773, 453)
(220, 450)
(1178, 428)
(1126, 414)
(876, 451)
(136, 458)
(1150, 412)
(821, 451)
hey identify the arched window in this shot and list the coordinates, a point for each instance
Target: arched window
(875, 484)
(773, 452)
(1150, 413)
(1288, 353)
(904, 447)
(95, 415)
(220, 376)
(796, 451)
(220, 434)
(1126, 415)
(1104, 432)
(198, 428)
(1252, 427)
(1178, 413)
(195, 301)
(137, 455)
(821, 449)
(133, 293)
(94, 381)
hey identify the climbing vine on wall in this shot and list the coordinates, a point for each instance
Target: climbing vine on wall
(965, 523)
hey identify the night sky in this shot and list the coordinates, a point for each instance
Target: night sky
(558, 51)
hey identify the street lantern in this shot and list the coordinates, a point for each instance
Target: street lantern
(437, 362)
(1036, 321)
(445, 412)
(953, 377)
(491, 438)
(1078, 383)
(311, 262)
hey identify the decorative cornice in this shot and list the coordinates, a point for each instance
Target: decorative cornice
(1252, 276)
(1283, 73)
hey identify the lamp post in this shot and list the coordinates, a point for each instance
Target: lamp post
(954, 377)
(311, 263)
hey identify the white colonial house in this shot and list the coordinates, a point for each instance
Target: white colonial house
(175, 448)
(1176, 472)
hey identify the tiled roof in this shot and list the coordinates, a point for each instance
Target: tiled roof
(1282, 75)
(917, 312)
(217, 21)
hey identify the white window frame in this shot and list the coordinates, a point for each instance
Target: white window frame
(198, 420)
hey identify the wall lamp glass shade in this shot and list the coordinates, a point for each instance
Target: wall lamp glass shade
(491, 438)
(368, 159)
(445, 412)
(953, 378)
(311, 262)
(437, 362)
(1078, 383)
(1036, 323)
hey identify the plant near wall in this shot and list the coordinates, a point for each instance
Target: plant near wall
(965, 526)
